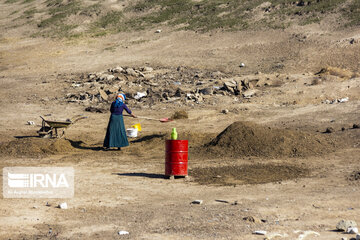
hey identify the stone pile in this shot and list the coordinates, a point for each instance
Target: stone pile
(148, 86)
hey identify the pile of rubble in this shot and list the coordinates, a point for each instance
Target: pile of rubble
(148, 86)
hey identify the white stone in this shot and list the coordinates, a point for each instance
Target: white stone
(342, 100)
(343, 225)
(140, 95)
(123, 232)
(249, 93)
(260, 232)
(352, 230)
(225, 111)
(63, 205)
(197, 202)
(118, 69)
(148, 69)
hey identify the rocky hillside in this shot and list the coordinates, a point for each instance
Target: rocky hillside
(79, 18)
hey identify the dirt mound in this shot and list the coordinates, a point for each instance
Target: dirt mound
(157, 140)
(338, 72)
(247, 174)
(249, 139)
(35, 147)
(180, 115)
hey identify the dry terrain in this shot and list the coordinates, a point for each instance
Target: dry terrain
(274, 144)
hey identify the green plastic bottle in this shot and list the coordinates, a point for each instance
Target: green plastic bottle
(173, 134)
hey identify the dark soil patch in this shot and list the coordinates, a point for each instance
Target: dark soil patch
(249, 139)
(34, 146)
(247, 174)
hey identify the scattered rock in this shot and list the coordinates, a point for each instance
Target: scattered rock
(342, 100)
(144, 79)
(123, 232)
(63, 205)
(30, 123)
(355, 176)
(147, 69)
(343, 225)
(252, 219)
(356, 125)
(158, 31)
(225, 111)
(249, 93)
(131, 71)
(140, 95)
(117, 70)
(197, 202)
(304, 234)
(329, 130)
(75, 85)
(103, 94)
(230, 86)
(352, 230)
(206, 91)
(242, 65)
(259, 232)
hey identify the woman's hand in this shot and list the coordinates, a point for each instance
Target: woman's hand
(133, 115)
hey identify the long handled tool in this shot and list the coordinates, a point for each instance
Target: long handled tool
(155, 119)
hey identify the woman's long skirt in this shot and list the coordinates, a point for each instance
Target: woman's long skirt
(116, 133)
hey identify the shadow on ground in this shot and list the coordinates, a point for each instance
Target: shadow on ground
(80, 145)
(146, 175)
(148, 138)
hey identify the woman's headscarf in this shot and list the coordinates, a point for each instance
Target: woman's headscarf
(120, 99)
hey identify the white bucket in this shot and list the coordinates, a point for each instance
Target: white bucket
(131, 132)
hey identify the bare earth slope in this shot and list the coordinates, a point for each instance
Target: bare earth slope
(273, 169)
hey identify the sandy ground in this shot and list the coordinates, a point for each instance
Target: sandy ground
(126, 190)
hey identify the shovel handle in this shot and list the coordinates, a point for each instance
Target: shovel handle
(143, 117)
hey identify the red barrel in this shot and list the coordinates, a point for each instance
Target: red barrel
(176, 157)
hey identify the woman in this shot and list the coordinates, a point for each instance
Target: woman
(115, 133)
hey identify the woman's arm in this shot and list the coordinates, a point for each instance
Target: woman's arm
(112, 107)
(129, 111)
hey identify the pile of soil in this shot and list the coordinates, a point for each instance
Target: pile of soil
(156, 141)
(180, 115)
(247, 174)
(339, 72)
(250, 139)
(33, 146)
